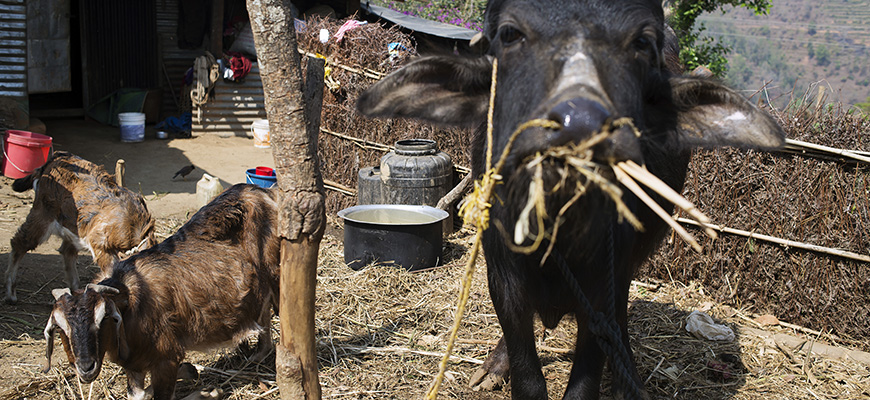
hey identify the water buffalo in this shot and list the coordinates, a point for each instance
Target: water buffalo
(584, 65)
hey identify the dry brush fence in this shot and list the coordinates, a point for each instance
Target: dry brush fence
(826, 203)
(821, 202)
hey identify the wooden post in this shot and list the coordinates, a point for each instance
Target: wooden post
(302, 215)
(216, 36)
(120, 170)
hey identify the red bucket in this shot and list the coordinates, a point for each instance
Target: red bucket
(264, 171)
(24, 152)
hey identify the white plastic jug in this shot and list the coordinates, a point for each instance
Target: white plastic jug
(206, 189)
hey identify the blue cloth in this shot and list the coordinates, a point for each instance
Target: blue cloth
(180, 124)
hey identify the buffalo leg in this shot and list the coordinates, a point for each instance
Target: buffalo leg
(494, 371)
(517, 323)
(585, 380)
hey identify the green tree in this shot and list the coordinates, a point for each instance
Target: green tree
(823, 55)
(697, 50)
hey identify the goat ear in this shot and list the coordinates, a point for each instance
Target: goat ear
(120, 334)
(442, 89)
(712, 115)
(49, 342)
(58, 293)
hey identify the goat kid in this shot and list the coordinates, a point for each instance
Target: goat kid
(210, 283)
(580, 65)
(80, 202)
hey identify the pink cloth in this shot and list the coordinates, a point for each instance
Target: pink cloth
(348, 25)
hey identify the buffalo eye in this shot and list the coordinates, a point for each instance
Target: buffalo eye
(643, 44)
(509, 35)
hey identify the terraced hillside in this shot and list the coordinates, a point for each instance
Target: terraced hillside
(801, 45)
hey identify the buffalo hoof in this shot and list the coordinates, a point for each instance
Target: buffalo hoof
(494, 372)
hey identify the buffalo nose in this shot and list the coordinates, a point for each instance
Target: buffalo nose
(579, 117)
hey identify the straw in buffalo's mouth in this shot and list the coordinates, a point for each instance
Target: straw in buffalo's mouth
(572, 160)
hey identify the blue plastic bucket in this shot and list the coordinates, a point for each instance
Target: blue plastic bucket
(132, 126)
(264, 181)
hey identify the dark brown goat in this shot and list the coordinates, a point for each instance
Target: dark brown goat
(578, 66)
(210, 283)
(80, 202)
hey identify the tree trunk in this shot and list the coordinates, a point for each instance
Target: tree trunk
(301, 218)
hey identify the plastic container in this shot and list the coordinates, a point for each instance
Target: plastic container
(415, 173)
(392, 234)
(264, 171)
(207, 189)
(24, 152)
(132, 127)
(260, 130)
(369, 186)
(262, 181)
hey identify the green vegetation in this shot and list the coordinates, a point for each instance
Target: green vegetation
(697, 50)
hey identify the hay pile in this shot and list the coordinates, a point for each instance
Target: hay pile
(381, 332)
(364, 49)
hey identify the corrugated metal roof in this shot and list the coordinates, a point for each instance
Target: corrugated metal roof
(13, 49)
(233, 107)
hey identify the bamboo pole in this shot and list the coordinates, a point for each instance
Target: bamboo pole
(784, 242)
(798, 145)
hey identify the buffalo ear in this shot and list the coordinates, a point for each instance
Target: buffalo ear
(442, 89)
(712, 115)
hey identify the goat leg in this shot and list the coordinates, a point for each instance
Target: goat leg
(264, 339)
(163, 378)
(26, 238)
(70, 253)
(135, 385)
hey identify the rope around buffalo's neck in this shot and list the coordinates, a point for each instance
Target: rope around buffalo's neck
(603, 325)
(475, 211)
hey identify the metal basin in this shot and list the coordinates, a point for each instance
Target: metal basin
(392, 234)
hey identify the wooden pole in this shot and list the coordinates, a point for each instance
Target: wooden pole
(301, 219)
(120, 170)
(784, 242)
(216, 36)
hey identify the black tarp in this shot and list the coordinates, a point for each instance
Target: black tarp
(431, 35)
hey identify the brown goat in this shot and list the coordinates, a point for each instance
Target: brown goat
(80, 202)
(210, 283)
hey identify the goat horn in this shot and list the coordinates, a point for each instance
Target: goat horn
(103, 289)
(58, 293)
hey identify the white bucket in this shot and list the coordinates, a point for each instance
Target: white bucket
(260, 129)
(132, 126)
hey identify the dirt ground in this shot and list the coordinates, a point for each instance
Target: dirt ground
(380, 330)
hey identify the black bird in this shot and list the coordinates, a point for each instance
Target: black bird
(184, 171)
